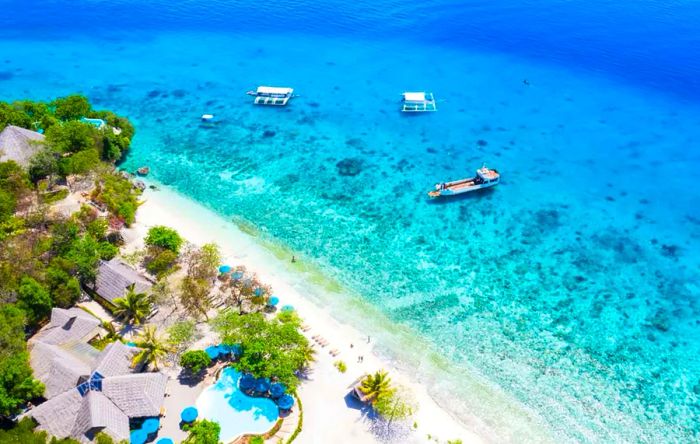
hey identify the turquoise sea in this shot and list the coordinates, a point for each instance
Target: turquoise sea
(572, 289)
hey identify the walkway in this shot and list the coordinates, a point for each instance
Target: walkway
(288, 427)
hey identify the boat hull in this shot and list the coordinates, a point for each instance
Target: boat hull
(449, 192)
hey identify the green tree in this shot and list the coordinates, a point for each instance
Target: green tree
(119, 195)
(24, 433)
(17, 385)
(133, 307)
(85, 254)
(43, 164)
(164, 237)
(34, 300)
(72, 137)
(64, 288)
(71, 107)
(376, 385)
(153, 348)
(270, 348)
(202, 263)
(203, 432)
(79, 163)
(195, 360)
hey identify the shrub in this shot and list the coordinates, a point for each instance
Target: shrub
(203, 432)
(341, 366)
(164, 237)
(107, 251)
(195, 360)
(119, 195)
(71, 107)
(162, 262)
(256, 440)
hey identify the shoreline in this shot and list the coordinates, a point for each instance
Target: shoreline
(324, 393)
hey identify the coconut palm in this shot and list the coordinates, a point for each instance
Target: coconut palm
(153, 347)
(111, 330)
(133, 307)
(376, 385)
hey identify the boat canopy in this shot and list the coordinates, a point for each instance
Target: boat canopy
(414, 96)
(486, 173)
(273, 90)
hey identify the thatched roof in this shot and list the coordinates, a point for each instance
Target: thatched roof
(114, 277)
(19, 144)
(68, 325)
(87, 390)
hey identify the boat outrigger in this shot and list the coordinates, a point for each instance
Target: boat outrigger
(270, 95)
(485, 178)
(418, 102)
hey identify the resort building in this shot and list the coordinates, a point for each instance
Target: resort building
(19, 144)
(114, 278)
(87, 390)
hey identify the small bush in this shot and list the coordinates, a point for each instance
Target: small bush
(195, 360)
(162, 262)
(164, 237)
(341, 366)
(256, 440)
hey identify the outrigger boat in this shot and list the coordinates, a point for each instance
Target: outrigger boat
(485, 178)
(270, 95)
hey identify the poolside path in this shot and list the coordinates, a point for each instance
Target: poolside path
(287, 429)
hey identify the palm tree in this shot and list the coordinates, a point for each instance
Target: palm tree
(133, 307)
(375, 386)
(153, 347)
(111, 330)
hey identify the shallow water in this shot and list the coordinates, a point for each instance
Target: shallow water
(572, 287)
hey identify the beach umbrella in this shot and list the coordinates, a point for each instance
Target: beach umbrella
(262, 385)
(165, 441)
(247, 382)
(277, 389)
(237, 275)
(274, 300)
(224, 269)
(150, 425)
(236, 349)
(258, 291)
(213, 351)
(138, 437)
(285, 402)
(189, 414)
(287, 308)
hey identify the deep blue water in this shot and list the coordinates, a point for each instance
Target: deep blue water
(563, 304)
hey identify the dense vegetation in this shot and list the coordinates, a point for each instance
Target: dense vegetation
(24, 433)
(203, 432)
(44, 259)
(271, 348)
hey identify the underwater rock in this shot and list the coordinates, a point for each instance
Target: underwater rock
(268, 133)
(670, 251)
(153, 94)
(349, 167)
(6, 75)
(355, 142)
(481, 142)
(314, 104)
(179, 93)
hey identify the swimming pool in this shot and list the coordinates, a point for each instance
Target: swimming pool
(236, 412)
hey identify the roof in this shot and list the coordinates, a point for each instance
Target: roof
(19, 144)
(414, 96)
(68, 325)
(114, 277)
(87, 390)
(274, 90)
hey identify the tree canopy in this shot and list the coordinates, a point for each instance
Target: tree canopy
(17, 385)
(203, 432)
(270, 348)
(164, 237)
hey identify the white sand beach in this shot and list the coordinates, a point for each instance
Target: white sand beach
(330, 416)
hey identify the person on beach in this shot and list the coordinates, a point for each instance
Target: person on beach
(368, 339)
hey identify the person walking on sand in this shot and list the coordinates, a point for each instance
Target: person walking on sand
(368, 339)
(294, 259)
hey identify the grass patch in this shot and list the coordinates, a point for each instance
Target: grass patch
(54, 196)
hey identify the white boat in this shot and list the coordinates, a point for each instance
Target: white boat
(271, 95)
(485, 178)
(418, 102)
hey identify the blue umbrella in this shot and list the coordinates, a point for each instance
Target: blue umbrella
(138, 437)
(287, 308)
(247, 382)
(189, 414)
(213, 351)
(165, 441)
(224, 269)
(262, 385)
(285, 402)
(236, 349)
(150, 425)
(258, 291)
(274, 300)
(237, 275)
(277, 389)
